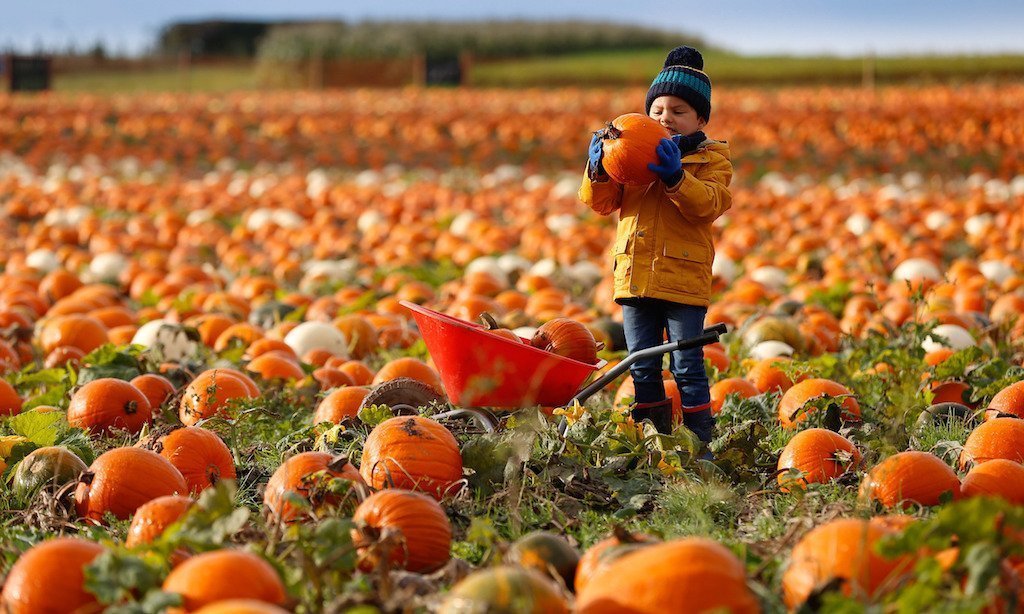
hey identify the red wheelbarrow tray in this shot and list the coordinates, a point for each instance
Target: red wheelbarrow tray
(481, 369)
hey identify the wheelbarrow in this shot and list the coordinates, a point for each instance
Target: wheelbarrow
(479, 369)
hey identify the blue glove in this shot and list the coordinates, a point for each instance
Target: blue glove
(670, 164)
(596, 152)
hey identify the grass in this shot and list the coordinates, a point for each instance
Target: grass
(611, 68)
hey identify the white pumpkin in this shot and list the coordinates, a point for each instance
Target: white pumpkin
(916, 268)
(489, 265)
(996, 271)
(724, 268)
(42, 260)
(584, 273)
(957, 338)
(858, 224)
(317, 335)
(107, 266)
(166, 339)
(771, 349)
(770, 276)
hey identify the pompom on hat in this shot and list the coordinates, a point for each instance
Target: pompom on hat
(683, 76)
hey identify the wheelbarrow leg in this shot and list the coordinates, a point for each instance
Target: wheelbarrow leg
(709, 336)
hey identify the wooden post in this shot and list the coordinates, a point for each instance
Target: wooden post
(868, 71)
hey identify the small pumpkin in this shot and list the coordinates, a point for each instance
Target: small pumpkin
(607, 550)
(547, 553)
(152, 519)
(210, 393)
(50, 577)
(503, 590)
(910, 477)
(311, 476)
(199, 454)
(50, 466)
(629, 143)
(122, 479)
(567, 337)
(412, 452)
(240, 606)
(224, 574)
(491, 325)
(794, 405)
(407, 527)
(815, 456)
(340, 405)
(109, 403)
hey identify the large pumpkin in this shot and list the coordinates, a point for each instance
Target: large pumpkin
(412, 452)
(199, 454)
(122, 479)
(911, 477)
(310, 476)
(842, 550)
(607, 550)
(504, 590)
(998, 477)
(49, 577)
(696, 572)
(109, 403)
(426, 534)
(224, 574)
(629, 142)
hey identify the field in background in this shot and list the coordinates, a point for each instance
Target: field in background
(592, 69)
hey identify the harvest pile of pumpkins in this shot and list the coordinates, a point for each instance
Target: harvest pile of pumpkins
(222, 249)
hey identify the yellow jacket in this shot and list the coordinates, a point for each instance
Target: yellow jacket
(663, 246)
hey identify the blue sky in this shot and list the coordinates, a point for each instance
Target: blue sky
(746, 26)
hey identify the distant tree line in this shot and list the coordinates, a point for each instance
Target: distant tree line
(297, 41)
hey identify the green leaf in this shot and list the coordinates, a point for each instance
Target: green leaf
(116, 575)
(375, 414)
(41, 428)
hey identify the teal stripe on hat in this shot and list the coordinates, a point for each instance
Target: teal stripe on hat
(675, 75)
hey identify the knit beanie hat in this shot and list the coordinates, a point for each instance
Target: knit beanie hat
(683, 76)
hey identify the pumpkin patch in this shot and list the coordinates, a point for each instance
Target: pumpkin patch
(207, 321)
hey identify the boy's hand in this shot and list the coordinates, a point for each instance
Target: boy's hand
(596, 152)
(670, 164)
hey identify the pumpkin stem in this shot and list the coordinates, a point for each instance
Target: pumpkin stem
(611, 132)
(489, 321)
(624, 536)
(131, 407)
(337, 464)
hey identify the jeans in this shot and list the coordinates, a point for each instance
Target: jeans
(645, 321)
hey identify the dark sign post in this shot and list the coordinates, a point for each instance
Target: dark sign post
(24, 73)
(443, 70)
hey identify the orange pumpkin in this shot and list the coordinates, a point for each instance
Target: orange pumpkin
(224, 574)
(309, 476)
(1009, 400)
(341, 404)
(695, 571)
(50, 577)
(240, 606)
(109, 403)
(426, 534)
(605, 551)
(730, 385)
(414, 368)
(199, 454)
(629, 142)
(793, 405)
(152, 518)
(566, 337)
(209, 394)
(841, 549)
(910, 477)
(412, 452)
(10, 401)
(156, 388)
(817, 456)
(122, 479)
(76, 330)
(998, 477)
(995, 438)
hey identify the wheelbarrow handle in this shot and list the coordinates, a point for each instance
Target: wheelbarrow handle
(709, 336)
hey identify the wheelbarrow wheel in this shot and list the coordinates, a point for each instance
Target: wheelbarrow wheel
(401, 394)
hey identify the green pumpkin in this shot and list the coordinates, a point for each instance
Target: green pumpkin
(546, 552)
(504, 590)
(774, 328)
(52, 466)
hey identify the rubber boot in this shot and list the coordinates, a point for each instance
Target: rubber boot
(658, 412)
(699, 420)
